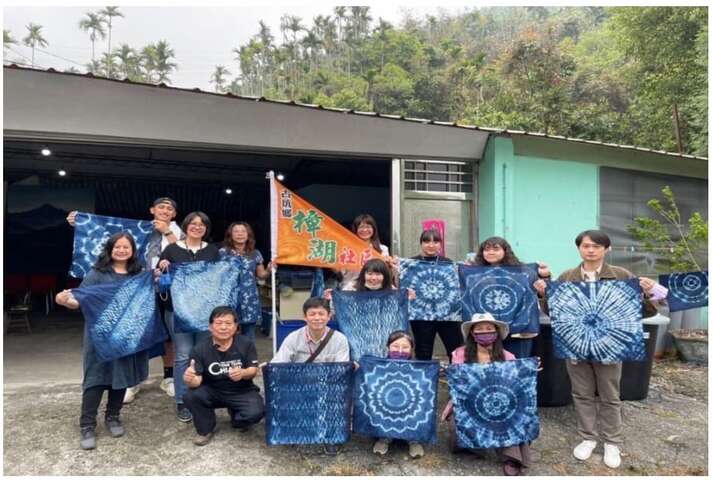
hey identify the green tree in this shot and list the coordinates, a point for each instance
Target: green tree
(108, 13)
(218, 77)
(93, 23)
(7, 39)
(164, 66)
(129, 63)
(34, 39)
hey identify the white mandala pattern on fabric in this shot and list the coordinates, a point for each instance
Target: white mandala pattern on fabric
(437, 289)
(689, 287)
(599, 321)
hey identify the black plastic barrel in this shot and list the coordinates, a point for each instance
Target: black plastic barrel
(635, 376)
(553, 386)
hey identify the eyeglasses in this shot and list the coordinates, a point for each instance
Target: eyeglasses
(197, 225)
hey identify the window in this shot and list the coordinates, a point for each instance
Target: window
(438, 176)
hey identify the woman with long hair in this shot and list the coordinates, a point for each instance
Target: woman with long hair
(496, 251)
(424, 331)
(239, 239)
(483, 336)
(364, 226)
(117, 261)
(193, 248)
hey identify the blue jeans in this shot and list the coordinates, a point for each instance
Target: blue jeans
(183, 343)
(248, 329)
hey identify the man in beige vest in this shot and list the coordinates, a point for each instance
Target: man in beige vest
(590, 377)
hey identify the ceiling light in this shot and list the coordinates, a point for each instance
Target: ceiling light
(61, 173)
(46, 152)
(228, 191)
(280, 177)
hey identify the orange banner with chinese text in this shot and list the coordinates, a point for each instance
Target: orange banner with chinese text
(303, 235)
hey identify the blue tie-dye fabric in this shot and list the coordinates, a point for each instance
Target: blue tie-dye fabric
(396, 399)
(122, 317)
(597, 321)
(437, 290)
(249, 298)
(92, 231)
(686, 290)
(506, 292)
(198, 287)
(317, 283)
(368, 318)
(308, 403)
(495, 404)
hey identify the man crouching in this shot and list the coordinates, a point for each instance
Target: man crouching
(220, 375)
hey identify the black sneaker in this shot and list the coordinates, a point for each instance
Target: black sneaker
(114, 425)
(183, 414)
(87, 438)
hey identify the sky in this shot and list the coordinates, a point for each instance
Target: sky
(201, 37)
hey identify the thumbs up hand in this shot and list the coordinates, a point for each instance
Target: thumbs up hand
(190, 377)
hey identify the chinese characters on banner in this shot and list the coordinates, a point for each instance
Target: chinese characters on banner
(303, 235)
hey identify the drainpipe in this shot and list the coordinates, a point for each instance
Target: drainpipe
(504, 180)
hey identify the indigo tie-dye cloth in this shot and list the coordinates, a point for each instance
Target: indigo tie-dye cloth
(506, 292)
(368, 318)
(308, 403)
(122, 317)
(686, 290)
(248, 296)
(396, 399)
(91, 233)
(317, 283)
(198, 287)
(597, 321)
(495, 404)
(437, 289)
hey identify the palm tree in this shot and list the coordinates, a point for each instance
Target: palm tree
(108, 65)
(34, 38)
(95, 68)
(7, 40)
(164, 66)
(129, 62)
(149, 62)
(382, 36)
(218, 78)
(311, 44)
(94, 24)
(107, 15)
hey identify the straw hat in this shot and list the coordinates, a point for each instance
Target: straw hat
(477, 318)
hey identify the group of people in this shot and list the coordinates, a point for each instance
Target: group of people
(215, 369)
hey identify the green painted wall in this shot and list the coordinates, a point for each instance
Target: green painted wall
(539, 205)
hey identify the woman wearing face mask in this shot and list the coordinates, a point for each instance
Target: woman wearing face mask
(483, 337)
(496, 251)
(194, 248)
(424, 331)
(400, 346)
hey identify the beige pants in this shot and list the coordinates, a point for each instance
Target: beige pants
(604, 379)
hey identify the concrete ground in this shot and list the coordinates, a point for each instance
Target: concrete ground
(666, 434)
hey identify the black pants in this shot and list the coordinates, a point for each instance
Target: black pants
(245, 408)
(520, 347)
(92, 397)
(424, 333)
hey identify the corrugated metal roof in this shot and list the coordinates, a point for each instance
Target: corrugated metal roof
(497, 131)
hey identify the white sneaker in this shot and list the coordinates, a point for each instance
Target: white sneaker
(168, 386)
(612, 456)
(131, 392)
(381, 446)
(584, 450)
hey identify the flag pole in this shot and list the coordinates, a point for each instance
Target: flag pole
(273, 254)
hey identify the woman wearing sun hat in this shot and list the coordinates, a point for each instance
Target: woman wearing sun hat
(483, 336)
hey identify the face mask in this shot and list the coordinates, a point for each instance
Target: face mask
(399, 355)
(485, 339)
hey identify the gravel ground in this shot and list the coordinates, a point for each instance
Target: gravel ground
(666, 434)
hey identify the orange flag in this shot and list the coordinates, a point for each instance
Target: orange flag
(302, 235)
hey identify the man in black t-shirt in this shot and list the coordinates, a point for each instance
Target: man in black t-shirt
(220, 375)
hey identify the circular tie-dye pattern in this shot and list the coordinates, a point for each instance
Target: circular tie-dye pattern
(689, 287)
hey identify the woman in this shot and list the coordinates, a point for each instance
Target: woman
(374, 275)
(496, 251)
(193, 248)
(400, 346)
(364, 226)
(116, 262)
(483, 337)
(424, 331)
(240, 240)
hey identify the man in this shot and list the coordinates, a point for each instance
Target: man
(590, 377)
(315, 342)
(220, 375)
(166, 231)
